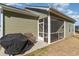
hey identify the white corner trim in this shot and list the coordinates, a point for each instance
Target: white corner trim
(74, 28)
(1, 15)
(64, 29)
(38, 30)
(49, 30)
(43, 29)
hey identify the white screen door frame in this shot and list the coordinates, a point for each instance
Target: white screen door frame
(41, 29)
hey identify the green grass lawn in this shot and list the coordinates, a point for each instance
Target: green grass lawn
(67, 47)
(38, 52)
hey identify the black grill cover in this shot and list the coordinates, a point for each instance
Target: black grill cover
(15, 43)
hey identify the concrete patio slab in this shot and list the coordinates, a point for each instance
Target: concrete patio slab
(38, 45)
(2, 52)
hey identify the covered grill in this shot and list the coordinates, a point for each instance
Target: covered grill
(16, 43)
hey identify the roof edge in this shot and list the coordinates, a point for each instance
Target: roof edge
(17, 10)
(54, 12)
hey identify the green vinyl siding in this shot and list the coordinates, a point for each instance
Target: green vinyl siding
(69, 29)
(14, 24)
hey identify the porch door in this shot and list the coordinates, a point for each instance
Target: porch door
(41, 29)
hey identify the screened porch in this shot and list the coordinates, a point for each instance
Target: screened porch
(50, 29)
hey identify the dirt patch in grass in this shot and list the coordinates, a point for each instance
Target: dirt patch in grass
(66, 47)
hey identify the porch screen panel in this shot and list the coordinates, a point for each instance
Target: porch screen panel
(41, 27)
(57, 29)
(46, 30)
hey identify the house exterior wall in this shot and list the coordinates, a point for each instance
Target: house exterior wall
(14, 24)
(69, 29)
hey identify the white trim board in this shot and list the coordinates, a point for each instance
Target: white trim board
(64, 29)
(1, 14)
(49, 29)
